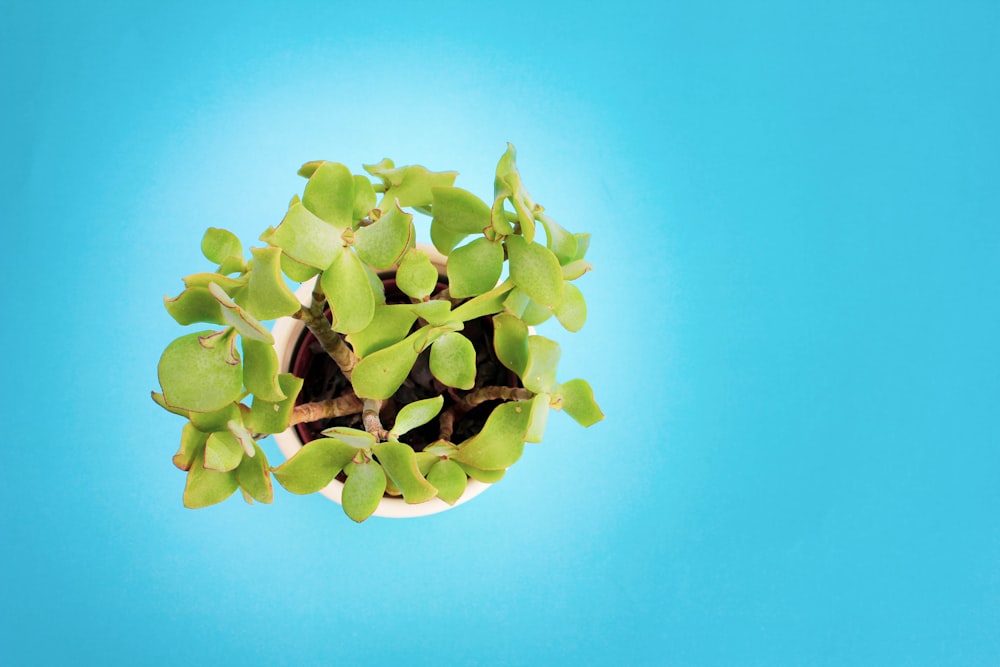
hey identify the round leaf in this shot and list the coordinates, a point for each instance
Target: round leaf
(449, 479)
(329, 194)
(383, 243)
(572, 312)
(219, 244)
(222, 451)
(453, 360)
(363, 490)
(306, 238)
(474, 268)
(349, 293)
(416, 276)
(577, 399)
(199, 378)
(535, 270)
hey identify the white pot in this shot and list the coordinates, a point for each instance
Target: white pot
(287, 332)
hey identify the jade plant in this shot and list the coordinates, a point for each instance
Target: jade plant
(421, 408)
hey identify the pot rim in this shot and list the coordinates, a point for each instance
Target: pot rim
(287, 332)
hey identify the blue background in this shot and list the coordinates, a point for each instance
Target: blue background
(793, 331)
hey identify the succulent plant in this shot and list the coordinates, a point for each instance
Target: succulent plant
(404, 362)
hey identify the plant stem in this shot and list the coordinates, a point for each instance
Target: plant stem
(341, 406)
(372, 420)
(332, 342)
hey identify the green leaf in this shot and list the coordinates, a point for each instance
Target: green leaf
(349, 293)
(412, 185)
(484, 476)
(273, 417)
(510, 342)
(195, 304)
(217, 420)
(459, 211)
(363, 490)
(425, 461)
(192, 445)
(267, 297)
(576, 268)
(577, 399)
(260, 370)
(383, 243)
(207, 487)
(520, 305)
(436, 312)
(314, 466)
(543, 359)
(500, 443)
(453, 360)
(572, 312)
(441, 449)
(534, 269)
(228, 284)
(223, 451)
(239, 319)
(474, 268)
(490, 303)
(582, 245)
(416, 414)
(449, 479)
(381, 373)
(329, 195)
(539, 417)
(400, 464)
(162, 402)
(416, 276)
(254, 476)
(306, 238)
(219, 244)
(498, 216)
(444, 239)
(201, 371)
(364, 197)
(558, 240)
(351, 436)
(389, 325)
(309, 168)
(297, 271)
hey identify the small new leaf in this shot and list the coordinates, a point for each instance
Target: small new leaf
(416, 414)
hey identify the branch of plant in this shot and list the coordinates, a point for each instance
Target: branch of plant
(331, 341)
(371, 419)
(342, 406)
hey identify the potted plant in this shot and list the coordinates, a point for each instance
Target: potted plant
(410, 375)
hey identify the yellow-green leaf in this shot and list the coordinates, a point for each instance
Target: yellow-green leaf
(201, 371)
(416, 276)
(572, 311)
(381, 373)
(314, 466)
(329, 195)
(363, 490)
(305, 237)
(390, 324)
(195, 304)
(207, 487)
(222, 451)
(510, 342)
(459, 211)
(349, 293)
(534, 269)
(413, 415)
(267, 297)
(260, 370)
(254, 476)
(577, 398)
(383, 243)
(239, 319)
(192, 445)
(219, 244)
(449, 479)
(543, 358)
(453, 360)
(475, 268)
(273, 417)
(400, 464)
(500, 444)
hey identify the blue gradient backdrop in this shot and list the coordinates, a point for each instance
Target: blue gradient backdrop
(793, 330)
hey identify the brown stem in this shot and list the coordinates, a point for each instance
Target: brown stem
(372, 420)
(341, 406)
(332, 342)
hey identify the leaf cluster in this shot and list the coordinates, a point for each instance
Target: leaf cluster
(508, 261)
